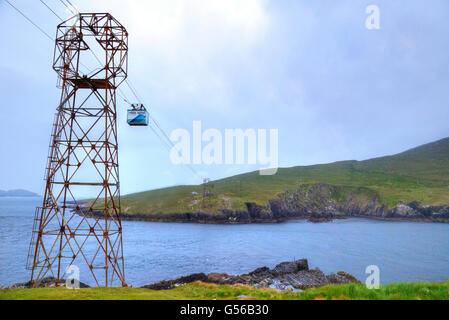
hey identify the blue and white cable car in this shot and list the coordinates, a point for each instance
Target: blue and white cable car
(138, 115)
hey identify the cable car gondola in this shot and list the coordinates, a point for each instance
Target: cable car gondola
(138, 115)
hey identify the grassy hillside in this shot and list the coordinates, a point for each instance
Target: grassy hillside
(419, 174)
(202, 291)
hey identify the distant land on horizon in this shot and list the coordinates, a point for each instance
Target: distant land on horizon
(18, 193)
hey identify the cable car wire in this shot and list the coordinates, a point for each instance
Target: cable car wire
(154, 120)
(70, 9)
(68, 1)
(31, 21)
(137, 96)
(51, 10)
(39, 28)
(167, 139)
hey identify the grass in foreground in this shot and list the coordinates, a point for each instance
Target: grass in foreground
(202, 291)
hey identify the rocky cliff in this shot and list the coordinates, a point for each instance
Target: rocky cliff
(321, 202)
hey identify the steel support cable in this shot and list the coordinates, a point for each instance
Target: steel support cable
(154, 120)
(70, 9)
(166, 142)
(122, 95)
(172, 145)
(134, 91)
(48, 7)
(125, 99)
(68, 1)
(138, 97)
(30, 21)
(39, 28)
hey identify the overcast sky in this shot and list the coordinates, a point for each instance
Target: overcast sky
(311, 69)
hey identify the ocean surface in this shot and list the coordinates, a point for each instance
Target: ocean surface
(404, 251)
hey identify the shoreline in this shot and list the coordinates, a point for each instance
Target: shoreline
(315, 203)
(217, 219)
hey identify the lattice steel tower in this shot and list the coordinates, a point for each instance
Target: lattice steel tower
(83, 157)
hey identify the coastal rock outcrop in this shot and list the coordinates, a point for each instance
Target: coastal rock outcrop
(321, 202)
(294, 275)
(44, 282)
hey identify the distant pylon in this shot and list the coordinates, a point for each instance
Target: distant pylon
(83, 158)
(207, 192)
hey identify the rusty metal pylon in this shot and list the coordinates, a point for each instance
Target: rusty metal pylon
(83, 157)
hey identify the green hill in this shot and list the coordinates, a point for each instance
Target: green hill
(420, 174)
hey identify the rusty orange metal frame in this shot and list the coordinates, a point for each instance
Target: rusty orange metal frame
(83, 157)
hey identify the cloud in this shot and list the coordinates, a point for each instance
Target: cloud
(181, 52)
(334, 89)
(171, 24)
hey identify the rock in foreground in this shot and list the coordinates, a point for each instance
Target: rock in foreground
(43, 283)
(294, 275)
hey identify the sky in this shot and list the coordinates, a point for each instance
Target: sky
(333, 89)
